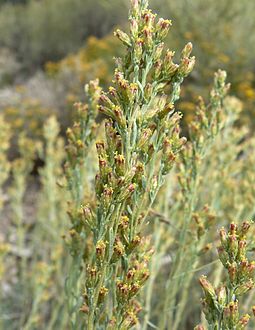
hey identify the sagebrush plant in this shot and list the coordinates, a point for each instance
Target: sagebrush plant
(80, 138)
(33, 252)
(222, 192)
(47, 265)
(20, 170)
(211, 120)
(142, 140)
(51, 199)
(143, 202)
(221, 305)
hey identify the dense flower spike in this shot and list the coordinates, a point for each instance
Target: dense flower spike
(80, 138)
(220, 306)
(212, 119)
(142, 142)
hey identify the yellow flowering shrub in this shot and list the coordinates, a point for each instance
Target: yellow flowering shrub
(27, 115)
(93, 60)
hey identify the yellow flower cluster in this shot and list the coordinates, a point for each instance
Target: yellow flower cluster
(28, 115)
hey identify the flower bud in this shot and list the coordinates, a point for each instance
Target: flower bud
(207, 287)
(233, 308)
(232, 228)
(88, 217)
(100, 249)
(162, 28)
(103, 166)
(124, 222)
(168, 109)
(144, 138)
(113, 92)
(232, 246)
(98, 185)
(128, 190)
(241, 250)
(134, 28)
(135, 287)
(148, 91)
(134, 243)
(100, 146)
(92, 87)
(157, 70)
(105, 101)
(148, 18)
(132, 92)
(119, 116)
(206, 248)
(223, 256)
(92, 273)
(222, 295)
(131, 274)
(123, 289)
(144, 275)
(223, 237)
(168, 60)
(118, 248)
(103, 291)
(107, 196)
(232, 271)
(80, 144)
(168, 161)
(242, 289)
(136, 306)
(148, 41)
(70, 135)
(135, 8)
(158, 51)
(130, 321)
(187, 50)
(138, 50)
(244, 320)
(186, 66)
(123, 37)
(120, 164)
(244, 229)
(220, 78)
(251, 268)
(106, 111)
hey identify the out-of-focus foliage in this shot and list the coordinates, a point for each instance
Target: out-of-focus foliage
(93, 60)
(5, 136)
(32, 252)
(224, 36)
(28, 115)
(48, 30)
(9, 67)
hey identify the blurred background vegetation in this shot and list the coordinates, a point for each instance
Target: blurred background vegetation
(50, 49)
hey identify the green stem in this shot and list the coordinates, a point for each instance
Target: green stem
(154, 268)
